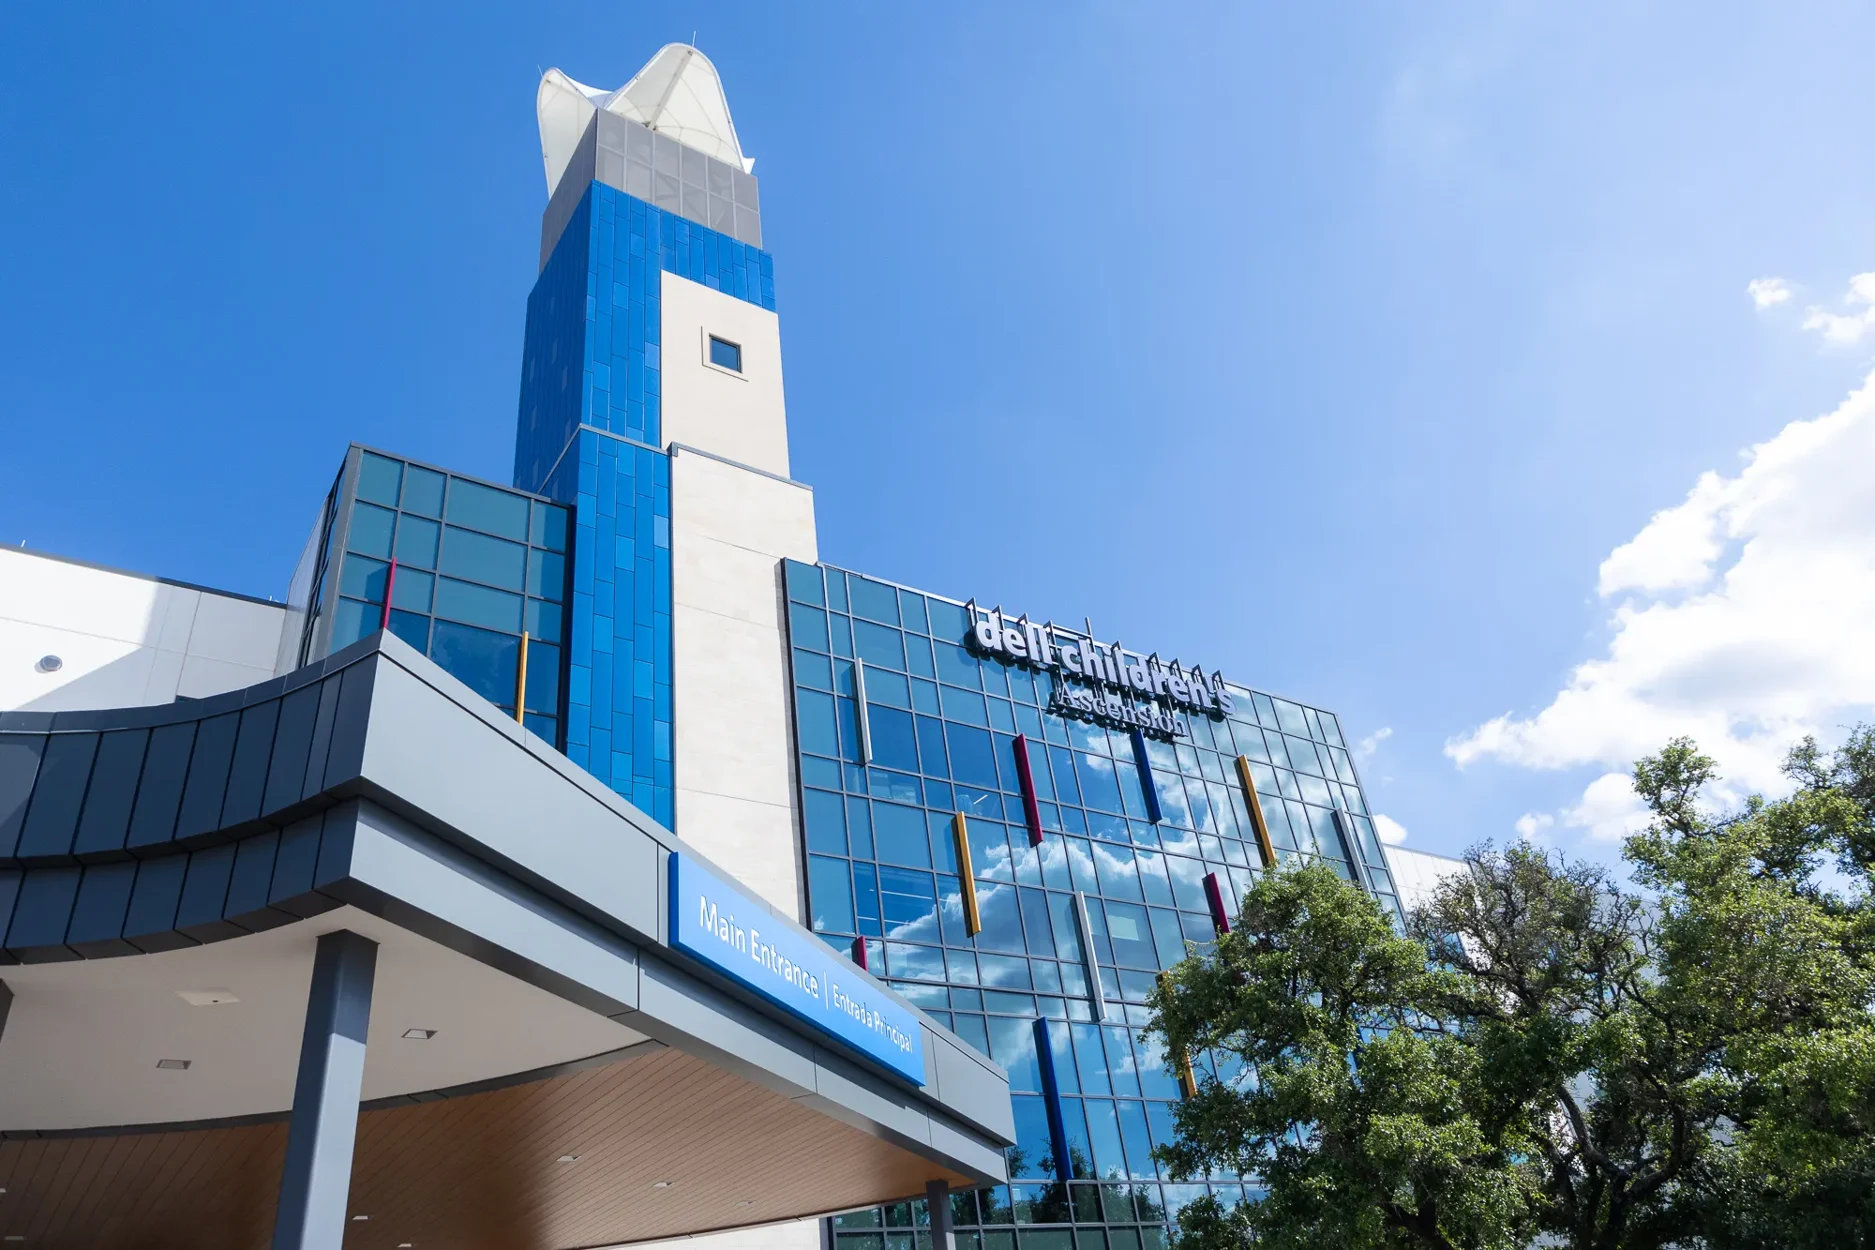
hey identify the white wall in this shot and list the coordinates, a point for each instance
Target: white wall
(738, 416)
(1418, 873)
(124, 639)
(730, 528)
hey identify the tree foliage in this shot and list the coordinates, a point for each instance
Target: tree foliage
(1548, 1055)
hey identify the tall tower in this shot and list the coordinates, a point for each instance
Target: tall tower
(652, 405)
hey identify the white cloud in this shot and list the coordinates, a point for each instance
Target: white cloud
(1740, 616)
(1532, 826)
(1849, 327)
(1371, 743)
(1391, 831)
(1765, 292)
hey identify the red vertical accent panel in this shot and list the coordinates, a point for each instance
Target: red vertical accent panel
(859, 952)
(1214, 895)
(390, 581)
(1031, 810)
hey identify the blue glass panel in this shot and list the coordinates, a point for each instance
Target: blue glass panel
(972, 757)
(948, 620)
(878, 645)
(487, 509)
(544, 620)
(352, 620)
(411, 627)
(483, 661)
(873, 601)
(1012, 1044)
(804, 584)
(362, 579)
(423, 491)
(830, 894)
(1138, 1140)
(483, 559)
(957, 666)
(1002, 922)
(899, 835)
(371, 531)
(478, 605)
(416, 541)
(378, 479)
(546, 574)
(808, 626)
(894, 742)
(543, 678)
(549, 526)
(859, 827)
(1032, 1155)
(725, 355)
(825, 817)
(814, 719)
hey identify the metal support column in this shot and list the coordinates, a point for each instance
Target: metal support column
(324, 1125)
(937, 1200)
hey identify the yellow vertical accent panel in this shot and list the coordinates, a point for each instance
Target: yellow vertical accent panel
(1181, 1062)
(960, 832)
(1244, 779)
(520, 684)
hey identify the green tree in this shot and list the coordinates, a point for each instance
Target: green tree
(1545, 1055)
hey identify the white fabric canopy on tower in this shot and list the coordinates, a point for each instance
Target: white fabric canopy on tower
(678, 93)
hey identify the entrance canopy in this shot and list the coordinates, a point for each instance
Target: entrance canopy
(195, 896)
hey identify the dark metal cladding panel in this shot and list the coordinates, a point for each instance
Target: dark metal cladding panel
(58, 794)
(9, 891)
(288, 770)
(97, 926)
(151, 921)
(335, 846)
(159, 792)
(205, 892)
(43, 913)
(247, 775)
(297, 858)
(19, 764)
(106, 818)
(253, 874)
(315, 778)
(208, 777)
(346, 758)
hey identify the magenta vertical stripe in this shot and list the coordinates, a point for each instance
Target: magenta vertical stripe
(1031, 810)
(1214, 895)
(390, 580)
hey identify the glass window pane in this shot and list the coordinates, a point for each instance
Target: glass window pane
(546, 574)
(478, 605)
(363, 579)
(378, 479)
(808, 626)
(830, 894)
(483, 559)
(544, 620)
(543, 678)
(815, 721)
(423, 491)
(825, 817)
(409, 626)
(725, 355)
(549, 528)
(1012, 1044)
(873, 601)
(483, 661)
(411, 591)
(416, 541)
(487, 509)
(371, 531)
(352, 620)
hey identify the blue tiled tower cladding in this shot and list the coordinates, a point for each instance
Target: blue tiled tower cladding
(589, 432)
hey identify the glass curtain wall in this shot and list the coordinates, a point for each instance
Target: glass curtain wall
(475, 566)
(1091, 1095)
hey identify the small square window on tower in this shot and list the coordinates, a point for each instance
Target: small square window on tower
(725, 355)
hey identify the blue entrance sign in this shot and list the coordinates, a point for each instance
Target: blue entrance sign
(717, 923)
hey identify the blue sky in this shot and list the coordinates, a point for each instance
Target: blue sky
(1340, 347)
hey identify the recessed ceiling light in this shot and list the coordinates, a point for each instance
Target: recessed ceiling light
(358, 1218)
(420, 1035)
(207, 998)
(403, 1245)
(47, 664)
(13, 1237)
(567, 1159)
(174, 1065)
(746, 1202)
(661, 1184)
